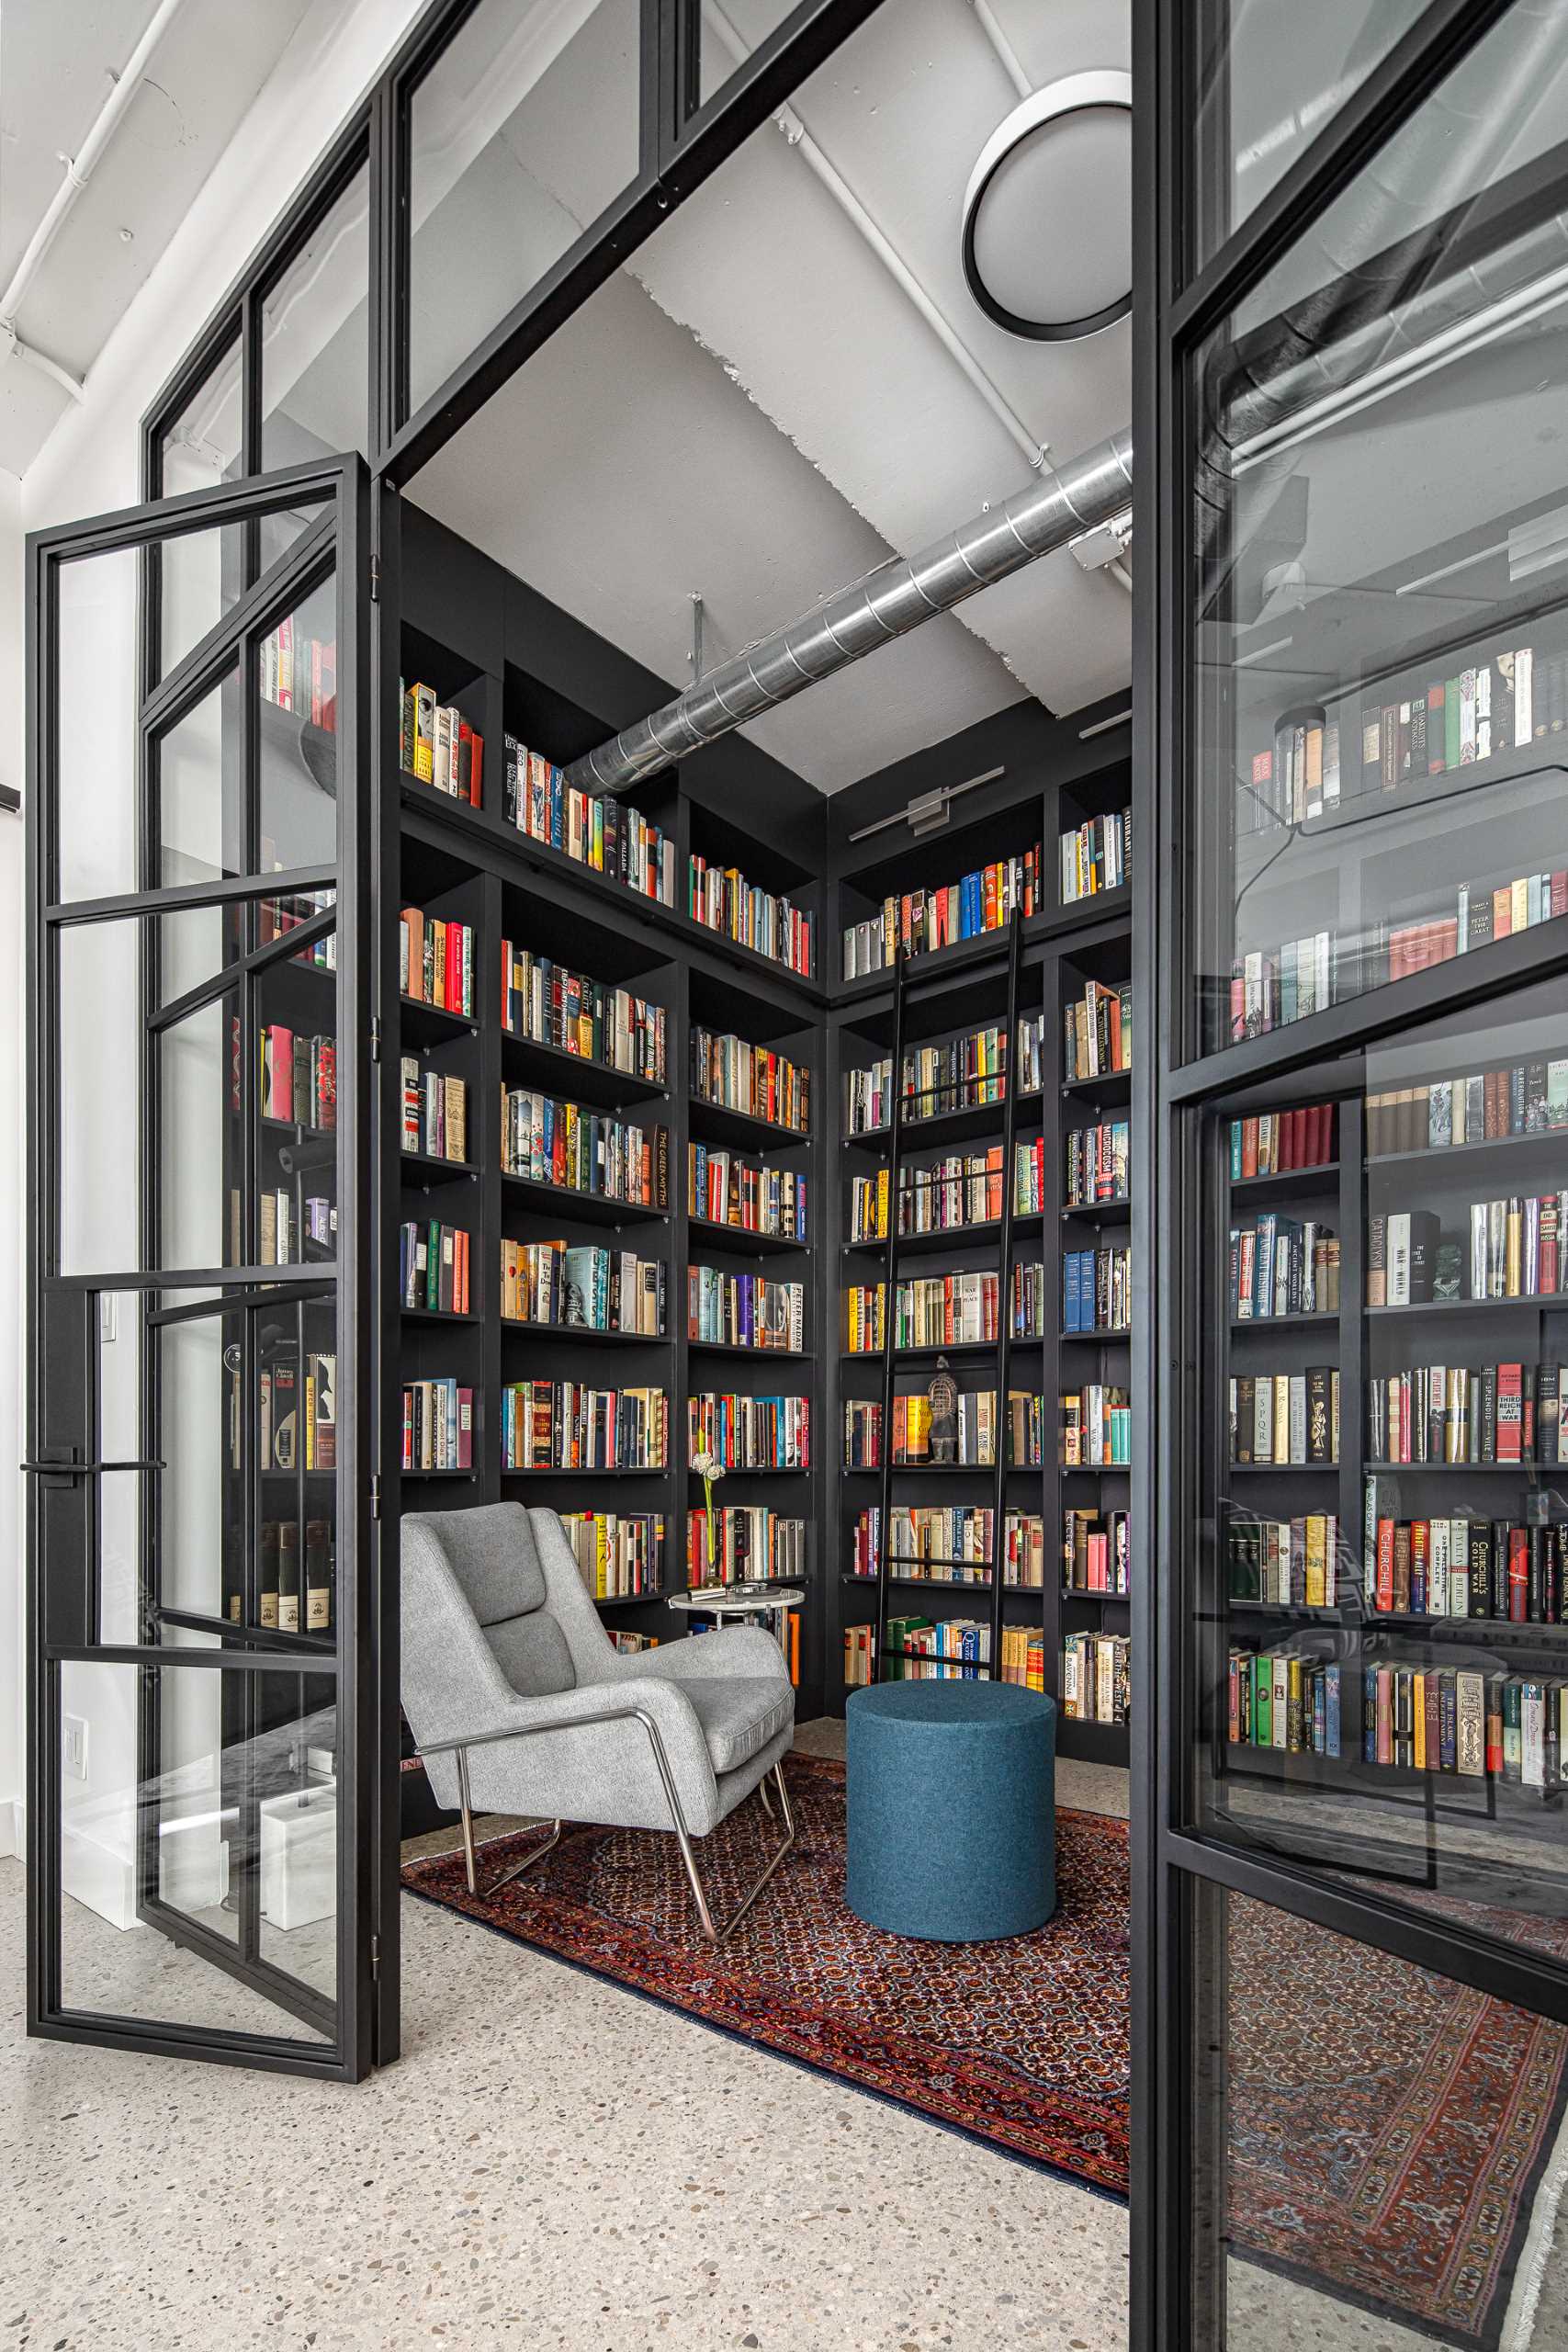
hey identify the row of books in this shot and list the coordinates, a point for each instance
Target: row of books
(964, 1073)
(1277, 1142)
(1283, 1265)
(296, 1076)
(721, 899)
(748, 1541)
(1460, 1413)
(1530, 1098)
(1290, 1563)
(435, 1113)
(753, 1198)
(1283, 1701)
(587, 1287)
(551, 1142)
(917, 922)
(554, 1006)
(737, 1076)
(1096, 1428)
(1097, 1678)
(745, 1311)
(1095, 855)
(952, 1310)
(749, 1432)
(282, 1424)
(1270, 988)
(1459, 1566)
(1097, 1290)
(1510, 1727)
(278, 915)
(279, 1581)
(1097, 1163)
(943, 1649)
(288, 1233)
(1514, 1252)
(435, 961)
(975, 1431)
(439, 745)
(433, 1267)
(299, 674)
(619, 1554)
(565, 1425)
(597, 829)
(1096, 1033)
(964, 1189)
(1096, 1551)
(438, 1425)
(951, 1544)
(1285, 1416)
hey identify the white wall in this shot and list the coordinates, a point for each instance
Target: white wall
(91, 464)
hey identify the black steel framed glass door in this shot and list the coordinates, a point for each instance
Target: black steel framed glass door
(202, 1686)
(1353, 524)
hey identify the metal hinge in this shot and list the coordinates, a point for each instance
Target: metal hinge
(375, 579)
(375, 1956)
(376, 1497)
(375, 1036)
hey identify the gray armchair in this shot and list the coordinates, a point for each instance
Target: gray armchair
(519, 1701)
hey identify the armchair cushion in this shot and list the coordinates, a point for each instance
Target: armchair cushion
(738, 1713)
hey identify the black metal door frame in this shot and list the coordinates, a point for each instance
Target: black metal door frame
(62, 1410)
(1179, 300)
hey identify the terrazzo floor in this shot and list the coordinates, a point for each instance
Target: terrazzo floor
(554, 2163)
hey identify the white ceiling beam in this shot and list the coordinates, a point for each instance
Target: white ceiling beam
(985, 18)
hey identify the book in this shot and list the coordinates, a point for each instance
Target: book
(918, 923)
(721, 899)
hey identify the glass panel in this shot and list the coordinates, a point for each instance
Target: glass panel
(99, 1040)
(522, 131)
(206, 1800)
(95, 704)
(1375, 2148)
(1380, 565)
(197, 1171)
(296, 679)
(200, 787)
(201, 1489)
(296, 1001)
(1269, 80)
(201, 575)
(1384, 1664)
(729, 35)
(194, 944)
(315, 347)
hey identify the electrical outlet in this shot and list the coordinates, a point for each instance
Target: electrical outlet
(74, 1757)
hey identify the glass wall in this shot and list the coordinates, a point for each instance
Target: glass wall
(1380, 565)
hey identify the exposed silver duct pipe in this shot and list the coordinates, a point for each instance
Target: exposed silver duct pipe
(855, 621)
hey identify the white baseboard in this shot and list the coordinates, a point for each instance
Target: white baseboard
(13, 1840)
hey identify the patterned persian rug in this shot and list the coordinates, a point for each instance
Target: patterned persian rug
(1390, 2130)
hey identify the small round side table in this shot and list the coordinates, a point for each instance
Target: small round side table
(770, 1607)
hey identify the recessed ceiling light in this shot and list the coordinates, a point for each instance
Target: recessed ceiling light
(1048, 211)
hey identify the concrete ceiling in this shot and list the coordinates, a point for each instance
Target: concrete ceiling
(59, 60)
(754, 411)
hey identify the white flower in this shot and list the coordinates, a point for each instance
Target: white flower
(707, 1465)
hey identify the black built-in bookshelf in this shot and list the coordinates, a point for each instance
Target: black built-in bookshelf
(514, 664)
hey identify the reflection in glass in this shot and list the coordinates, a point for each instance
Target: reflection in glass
(94, 725)
(1374, 2145)
(298, 685)
(1269, 80)
(228, 1835)
(200, 575)
(200, 771)
(315, 354)
(295, 1049)
(1380, 552)
(521, 133)
(1384, 1662)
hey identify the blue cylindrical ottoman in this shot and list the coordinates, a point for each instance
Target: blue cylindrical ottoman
(951, 1797)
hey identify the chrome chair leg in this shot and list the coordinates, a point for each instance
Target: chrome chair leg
(704, 1916)
(504, 1878)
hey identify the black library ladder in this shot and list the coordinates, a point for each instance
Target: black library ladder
(992, 1663)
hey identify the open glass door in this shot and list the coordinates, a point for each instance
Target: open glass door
(202, 1691)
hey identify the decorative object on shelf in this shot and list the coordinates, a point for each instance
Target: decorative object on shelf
(708, 1469)
(942, 1393)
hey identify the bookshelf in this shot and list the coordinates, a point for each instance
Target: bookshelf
(741, 1168)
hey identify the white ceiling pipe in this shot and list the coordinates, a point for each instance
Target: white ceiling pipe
(78, 170)
(985, 18)
(888, 253)
(12, 342)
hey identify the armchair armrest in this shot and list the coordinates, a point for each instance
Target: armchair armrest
(628, 1750)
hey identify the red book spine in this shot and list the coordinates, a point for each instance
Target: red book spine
(1385, 1564)
(1519, 1575)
